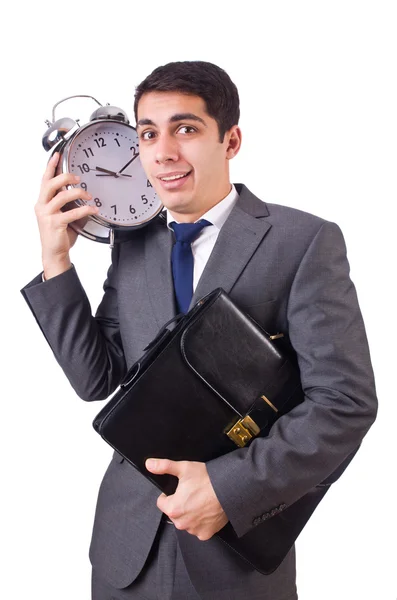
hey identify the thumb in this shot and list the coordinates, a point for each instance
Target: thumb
(164, 465)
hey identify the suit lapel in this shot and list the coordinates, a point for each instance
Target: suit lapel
(238, 239)
(158, 246)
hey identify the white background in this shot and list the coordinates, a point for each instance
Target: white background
(317, 82)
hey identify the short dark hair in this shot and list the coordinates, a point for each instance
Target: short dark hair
(197, 78)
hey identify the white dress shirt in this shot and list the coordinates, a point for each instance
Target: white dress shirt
(203, 245)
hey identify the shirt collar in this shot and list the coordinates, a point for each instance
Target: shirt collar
(218, 214)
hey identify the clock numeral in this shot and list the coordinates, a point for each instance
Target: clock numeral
(97, 202)
(117, 142)
(100, 142)
(149, 184)
(84, 186)
(134, 150)
(115, 208)
(144, 199)
(132, 210)
(87, 151)
(84, 168)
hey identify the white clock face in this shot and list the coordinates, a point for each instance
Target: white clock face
(105, 155)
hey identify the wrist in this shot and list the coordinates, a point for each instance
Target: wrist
(52, 268)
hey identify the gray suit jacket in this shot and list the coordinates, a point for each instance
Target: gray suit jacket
(289, 270)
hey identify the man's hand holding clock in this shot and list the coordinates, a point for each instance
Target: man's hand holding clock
(56, 237)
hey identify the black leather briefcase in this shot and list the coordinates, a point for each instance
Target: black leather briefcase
(210, 385)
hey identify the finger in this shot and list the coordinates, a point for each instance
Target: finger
(161, 503)
(75, 214)
(165, 465)
(169, 506)
(203, 537)
(61, 200)
(51, 166)
(67, 196)
(50, 187)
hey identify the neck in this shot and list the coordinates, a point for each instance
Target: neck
(192, 217)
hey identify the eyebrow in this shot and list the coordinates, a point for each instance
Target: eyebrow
(175, 118)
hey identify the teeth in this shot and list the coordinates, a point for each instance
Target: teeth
(173, 177)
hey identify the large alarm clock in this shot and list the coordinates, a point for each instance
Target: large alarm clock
(104, 153)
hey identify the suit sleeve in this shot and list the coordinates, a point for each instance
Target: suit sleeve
(88, 348)
(305, 446)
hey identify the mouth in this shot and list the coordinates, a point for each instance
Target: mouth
(173, 180)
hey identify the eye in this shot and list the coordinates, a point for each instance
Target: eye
(147, 135)
(186, 129)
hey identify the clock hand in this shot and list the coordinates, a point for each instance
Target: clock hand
(108, 172)
(110, 175)
(129, 162)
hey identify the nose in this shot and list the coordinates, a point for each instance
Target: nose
(166, 149)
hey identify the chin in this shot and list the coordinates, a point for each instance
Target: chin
(179, 203)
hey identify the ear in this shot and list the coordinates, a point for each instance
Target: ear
(233, 137)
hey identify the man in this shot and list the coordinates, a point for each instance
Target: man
(288, 269)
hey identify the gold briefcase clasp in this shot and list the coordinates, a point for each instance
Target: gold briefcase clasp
(243, 431)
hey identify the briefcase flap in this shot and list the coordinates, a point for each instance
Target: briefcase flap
(233, 355)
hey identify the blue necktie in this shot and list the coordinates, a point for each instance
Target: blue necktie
(182, 261)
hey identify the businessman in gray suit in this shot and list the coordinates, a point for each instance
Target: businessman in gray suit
(286, 268)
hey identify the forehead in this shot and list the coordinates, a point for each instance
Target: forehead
(159, 107)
